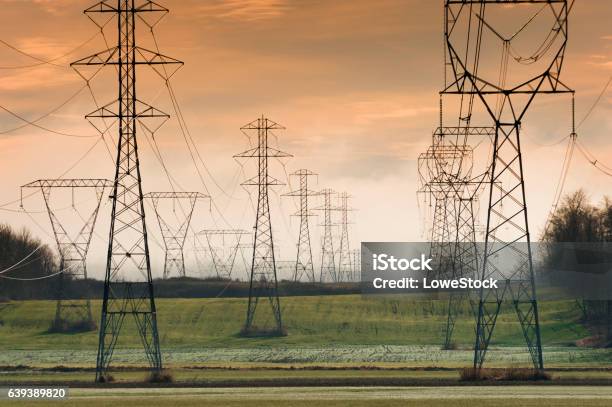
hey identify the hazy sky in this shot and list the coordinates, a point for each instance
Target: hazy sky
(355, 82)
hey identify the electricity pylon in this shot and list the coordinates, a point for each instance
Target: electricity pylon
(446, 179)
(446, 164)
(263, 278)
(345, 272)
(72, 314)
(328, 262)
(507, 230)
(174, 237)
(128, 284)
(223, 263)
(303, 263)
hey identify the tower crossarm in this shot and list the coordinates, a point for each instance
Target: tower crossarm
(70, 183)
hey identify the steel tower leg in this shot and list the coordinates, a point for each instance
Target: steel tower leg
(519, 279)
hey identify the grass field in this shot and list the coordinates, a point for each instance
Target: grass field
(311, 321)
(322, 329)
(329, 336)
(387, 351)
(524, 396)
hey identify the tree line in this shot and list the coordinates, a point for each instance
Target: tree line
(578, 220)
(24, 256)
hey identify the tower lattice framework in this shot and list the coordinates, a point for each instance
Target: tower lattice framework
(174, 237)
(263, 278)
(345, 266)
(507, 228)
(128, 284)
(223, 262)
(304, 265)
(328, 270)
(447, 180)
(72, 314)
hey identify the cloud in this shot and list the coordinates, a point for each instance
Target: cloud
(50, 6)
(47, 77)
(602, 64)
(391, 111)
(246, 10)
(54, 6)
(44, 48)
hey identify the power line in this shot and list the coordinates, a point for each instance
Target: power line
(40, 60)
(16, 265)
(39, 278)
(186, 132)
(55, 109)
(77, 162)
(596, 102)
(594, 161)
(38, 126)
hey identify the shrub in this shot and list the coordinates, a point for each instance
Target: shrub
(63, 326)
(257, 332)
(511, 374)
(516, 374)
(163, 376)
(450, 346)
(106, 379)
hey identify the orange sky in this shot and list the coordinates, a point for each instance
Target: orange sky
(354, 81)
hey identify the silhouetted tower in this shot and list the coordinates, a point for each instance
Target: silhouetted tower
(128, 286)
(507, 230)
(440, 167)
(224, 260)
(446, 177)
(328, 262)
(304, 264)
(174, 237)
(263, 279)
(71, 315)
(345, 269)
(464, 250)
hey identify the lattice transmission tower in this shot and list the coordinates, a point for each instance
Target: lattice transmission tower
(345, 267)
(128, 285)
(174, 237)
(328, 262)
(441, 167)
(468, 52)
(445, 171)
(224, 260)
(303, 264)
(70, 314)
(263, 278)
